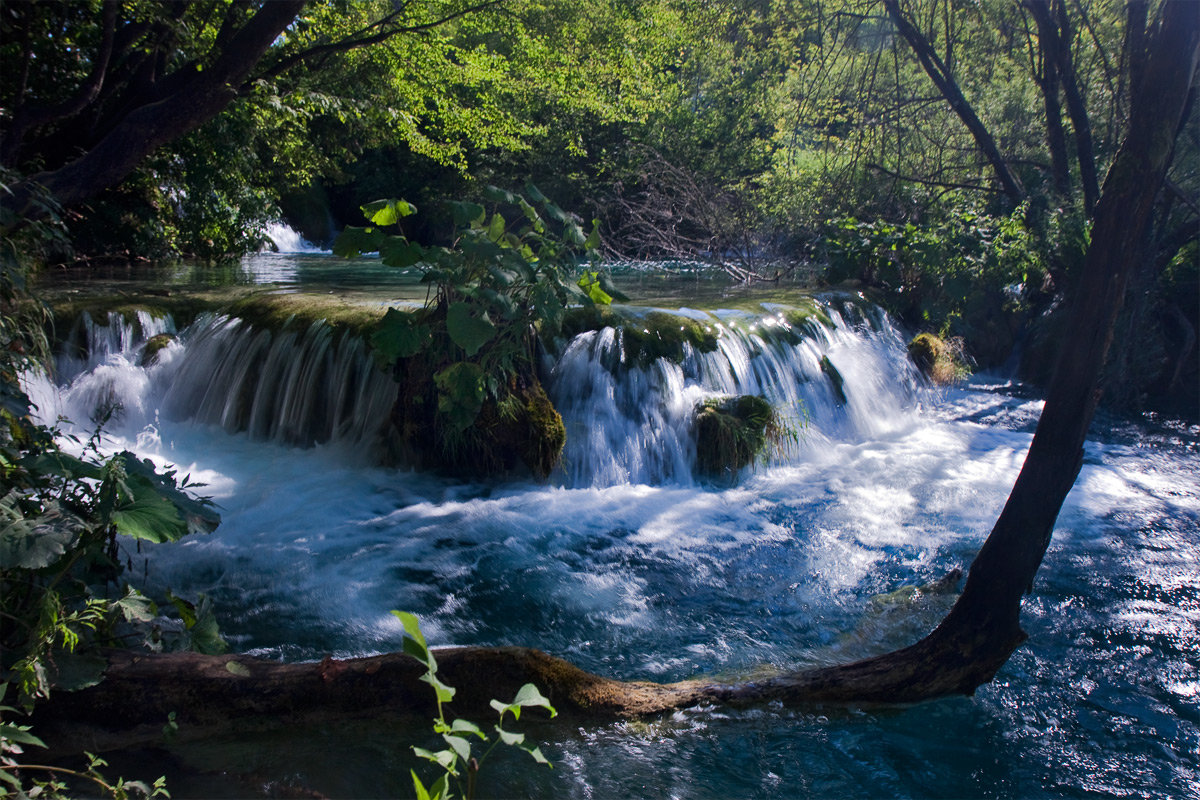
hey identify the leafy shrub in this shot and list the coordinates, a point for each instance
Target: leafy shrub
(466, 360)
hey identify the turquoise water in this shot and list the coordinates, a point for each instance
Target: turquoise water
(628, 566)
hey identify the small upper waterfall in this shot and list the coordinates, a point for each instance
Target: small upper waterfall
(840, 374)
(285, 239)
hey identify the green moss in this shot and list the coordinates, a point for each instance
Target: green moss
(940, 360)
(805, 315)
(732, 432)
(154, 345)
(278, 312)
(836, 381)
(661, 335)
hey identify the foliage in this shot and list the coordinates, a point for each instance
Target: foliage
(456, 759)
(493, 292)
(63, 515)
(971, 275)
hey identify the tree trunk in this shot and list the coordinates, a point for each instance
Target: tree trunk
(1049, 80)
(1084, 149)
(944, 81)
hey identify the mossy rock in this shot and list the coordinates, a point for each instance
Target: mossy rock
(645, 338)
(806, 317)
(836, 381)
(941, 361)
(155, 345)
(522, 432)
(732, 432)
(278, 312)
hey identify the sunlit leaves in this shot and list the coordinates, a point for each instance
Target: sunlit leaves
(457, 755)
(388, 212)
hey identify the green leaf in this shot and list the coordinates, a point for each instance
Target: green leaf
(446, 759)
(496, 228)
(388, 212)
(460, 745)
(468, 331)
(149, 517)
(444, 693)
(529, 696)
(510, 738)
(466, 726)
(467, 215)
(19, 734)
(145, 482)
(535, 194)
(422, 792)
(590, 283)
(354, 241)
(396, 251)
(37, 542)
(536, 752)
(494, 194)
(398, 335)
(593, 240)
(412, 627)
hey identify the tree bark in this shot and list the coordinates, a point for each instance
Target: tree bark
(1077, 110)
(1049, 80)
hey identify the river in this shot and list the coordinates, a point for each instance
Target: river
(628, 565)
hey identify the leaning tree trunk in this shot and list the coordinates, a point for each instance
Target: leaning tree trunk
(983, 628)
(966, 649)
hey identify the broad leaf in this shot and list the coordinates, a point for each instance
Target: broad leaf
(396, 251)
(468, 214)
(388, 212)
(37, 542)
(444, 693)
(149, 517)
(145, 482)
(510, 738)
(468, 331)
(354, 241)
(460, 746)
(398, 335)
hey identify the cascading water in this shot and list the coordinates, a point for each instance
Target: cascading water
(631, 423)
(630, 568)
(294, 387)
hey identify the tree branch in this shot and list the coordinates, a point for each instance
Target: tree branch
(358, 40)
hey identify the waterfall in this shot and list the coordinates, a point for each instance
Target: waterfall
(626, 422)
(631, 423)
(286, 239)
(294, 387)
